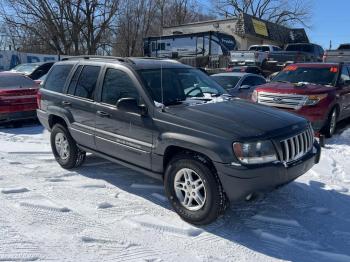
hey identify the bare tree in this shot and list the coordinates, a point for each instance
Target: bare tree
(65, 26)
(284, 12)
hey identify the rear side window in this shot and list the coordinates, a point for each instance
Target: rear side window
(57, 78)
(12, 81)
(74, 80)
(117, 85)
(87, 82)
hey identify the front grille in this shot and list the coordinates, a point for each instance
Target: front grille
(297, 146)
(291, 101)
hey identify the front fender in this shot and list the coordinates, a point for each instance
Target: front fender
(216, 150)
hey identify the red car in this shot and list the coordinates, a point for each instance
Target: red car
(319, 92)
(17, 97)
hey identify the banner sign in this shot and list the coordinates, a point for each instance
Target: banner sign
(9, 59)
(260, 27)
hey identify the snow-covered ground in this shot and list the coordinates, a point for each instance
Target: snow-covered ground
(105, 212)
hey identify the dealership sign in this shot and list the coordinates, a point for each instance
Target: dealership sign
(9, 59)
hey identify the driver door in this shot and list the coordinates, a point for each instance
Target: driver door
(120, 134)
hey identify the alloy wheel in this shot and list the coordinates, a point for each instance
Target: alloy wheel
(190, 189)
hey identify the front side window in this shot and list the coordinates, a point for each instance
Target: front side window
(227, 82)
(171, 85)
(117, 85)
(57, 77)
(87, 82)
(249, 81)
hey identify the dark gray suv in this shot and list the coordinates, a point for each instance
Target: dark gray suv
(173, 122)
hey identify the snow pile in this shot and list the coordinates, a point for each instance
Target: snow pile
(104, 212)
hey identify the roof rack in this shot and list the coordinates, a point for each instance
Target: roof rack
(87, 57)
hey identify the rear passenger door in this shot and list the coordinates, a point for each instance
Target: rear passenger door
(123, 135)
(80, 103)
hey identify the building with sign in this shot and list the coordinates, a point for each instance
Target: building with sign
(245, 29)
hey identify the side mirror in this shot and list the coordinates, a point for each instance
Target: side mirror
(245, 87)
(130, 104)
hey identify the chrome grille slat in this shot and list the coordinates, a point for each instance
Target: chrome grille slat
(293, 101)
(292, 147)
(297, 146)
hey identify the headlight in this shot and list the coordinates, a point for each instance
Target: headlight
(314, 99)
(255, 153)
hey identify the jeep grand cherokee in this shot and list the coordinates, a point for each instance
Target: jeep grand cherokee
(173, 122)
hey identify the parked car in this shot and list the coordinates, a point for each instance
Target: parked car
(319, 92)
(149, 115)
(342, 54)
(246, 69)
(17, 98)
(33, 70)
(293, 53)
(40, 80)
(239, 84)
(255, 55)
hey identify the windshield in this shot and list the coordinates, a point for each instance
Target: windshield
(312, 75)
(171, 85)
(227, 82)
(25, 68)
(260, 48)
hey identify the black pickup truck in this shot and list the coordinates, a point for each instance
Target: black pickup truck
(293, 53)
(173, 122)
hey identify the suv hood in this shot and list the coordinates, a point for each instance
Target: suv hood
(289, 88)
(239, 118)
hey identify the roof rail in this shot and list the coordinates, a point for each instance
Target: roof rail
(87, 57)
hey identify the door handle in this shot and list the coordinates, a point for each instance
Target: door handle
(103, 114)
(66, 103)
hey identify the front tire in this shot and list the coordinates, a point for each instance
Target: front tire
(194, 190)
(331, 125)
(65, 149)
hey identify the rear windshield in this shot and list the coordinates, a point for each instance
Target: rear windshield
(319, 76)
(227, 82)
(25, 68)
(9, 81)
(302, 48)
(260, 48)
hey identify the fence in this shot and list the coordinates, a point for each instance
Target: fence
(9, 59)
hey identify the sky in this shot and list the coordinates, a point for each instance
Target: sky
(330, 21)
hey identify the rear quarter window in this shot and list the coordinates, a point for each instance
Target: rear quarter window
(57, 77)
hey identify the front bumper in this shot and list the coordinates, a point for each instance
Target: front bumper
(240, 181)
(17, 116)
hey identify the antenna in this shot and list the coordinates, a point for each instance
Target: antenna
(161, 64)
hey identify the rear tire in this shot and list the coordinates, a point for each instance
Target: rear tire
(65, 149)
(331, 125)
(205, 198)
